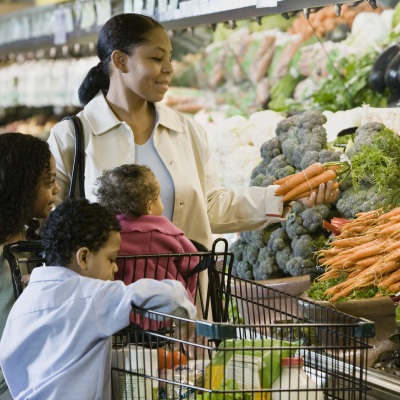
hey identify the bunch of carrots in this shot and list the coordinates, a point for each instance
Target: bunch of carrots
(303, 183)
(367, 251)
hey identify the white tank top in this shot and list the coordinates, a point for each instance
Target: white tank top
(146, 154)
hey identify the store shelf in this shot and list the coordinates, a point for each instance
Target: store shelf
(193, 12)
(175, 15)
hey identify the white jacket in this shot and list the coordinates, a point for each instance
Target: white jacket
(202, 206)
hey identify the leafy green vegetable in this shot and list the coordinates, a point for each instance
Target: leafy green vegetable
(317, 289)
(378, 163)
(349, 88)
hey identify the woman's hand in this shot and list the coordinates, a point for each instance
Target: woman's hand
(325, 194)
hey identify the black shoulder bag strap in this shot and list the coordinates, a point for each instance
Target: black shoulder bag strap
(78, 168)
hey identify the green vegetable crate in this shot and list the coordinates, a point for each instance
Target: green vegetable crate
(245, 337)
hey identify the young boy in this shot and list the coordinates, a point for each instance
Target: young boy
(57, 339)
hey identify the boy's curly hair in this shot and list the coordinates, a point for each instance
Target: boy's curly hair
(127, 189)
(24, 167)
(76, 223)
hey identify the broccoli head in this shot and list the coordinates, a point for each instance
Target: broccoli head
(257, 180)
(270, 149)
(259, 169)
(298, 266)
(283, 257)
(326, 156)
(276, 164)
(309, 119)
(243, 269)
(304, 246)
(266, 267)
(364, 136)
(313, 217)
(285, 171)
(309, 157)
(288, 147)
(278, 240)
(294, 226)
(250, 253)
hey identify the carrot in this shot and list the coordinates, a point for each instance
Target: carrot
(389, 214)
(312, 183)
(341, 243)
(390, 230)
(394, 288)
(305, 194)
(391, 279)
(368, 261)
(283, 180)
(311, 171)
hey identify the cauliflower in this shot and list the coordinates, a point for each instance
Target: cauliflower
(263, 124)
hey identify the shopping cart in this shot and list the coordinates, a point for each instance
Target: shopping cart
(241, 352)
(22, 257)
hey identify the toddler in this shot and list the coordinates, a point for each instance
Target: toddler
(57, 340)
(132, 192)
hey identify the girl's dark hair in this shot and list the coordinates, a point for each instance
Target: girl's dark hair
(127, 190)
(73, 224)
(24, 166)
(122, 32)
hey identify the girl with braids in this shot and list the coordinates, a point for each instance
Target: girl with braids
(124, 122)
(28, 189)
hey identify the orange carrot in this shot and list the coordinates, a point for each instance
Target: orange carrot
(389, 214)
(394, 288)
(311, 171)
(341, 243)
(391, 279)
(312, 183)
(283, 180)
(390, 230)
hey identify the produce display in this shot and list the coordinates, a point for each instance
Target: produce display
(365, 255)
(291, 247)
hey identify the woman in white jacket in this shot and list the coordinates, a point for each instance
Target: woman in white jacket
(124, 122)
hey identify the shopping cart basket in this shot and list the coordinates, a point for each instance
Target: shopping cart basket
(22, 257)
(241, 355)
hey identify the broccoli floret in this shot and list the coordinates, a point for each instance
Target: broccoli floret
(319, 136)
(258, 180)
(314, 216)
(284, 127)
(298, 208)
(310, 119)
(268, 180)
(326, 156)
(297, 266)
(278, 240)
(303, 246)
(251, 253)
(240, 267)
(285, 171)
(282, 258)
(260, 169)
(261, 237)
(270, 149)
(243, 270)
(288, 147)
(309, 158)
(276, 164)
(266, 267)
(298, 154)
(237, 248)
(294, 226)
(351, 200)
(364, 136)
